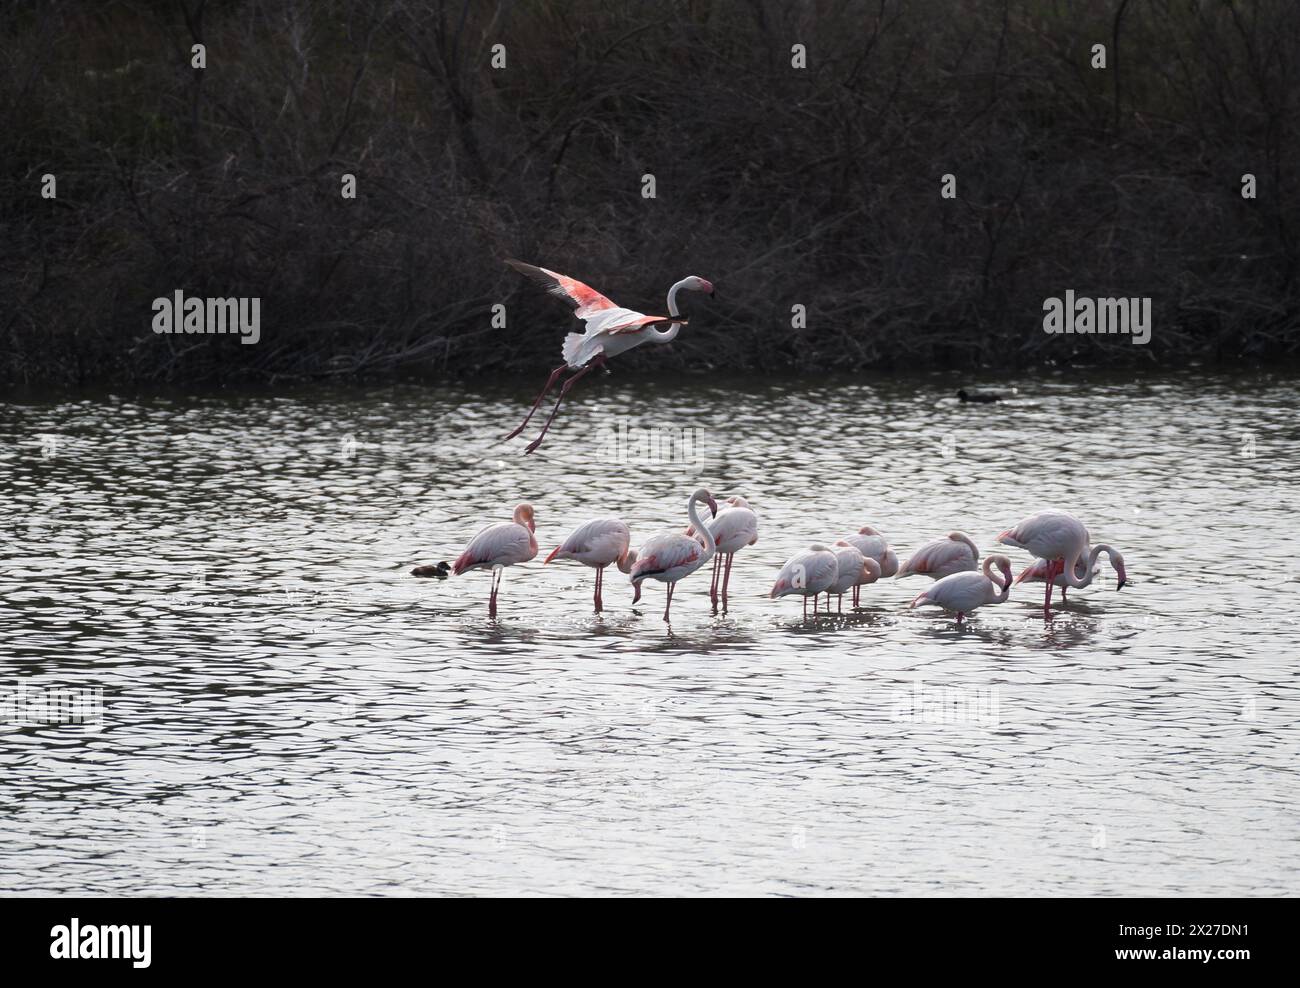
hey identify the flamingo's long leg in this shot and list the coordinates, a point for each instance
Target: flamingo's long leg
(713, 584)
(550, 383)
(1051, 576)
(492, 597)
(726, 579)
(668, 606)
(564, 390)
(600, 578)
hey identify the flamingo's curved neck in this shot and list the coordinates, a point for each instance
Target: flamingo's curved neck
(1001, 580)
(672, 297)
(1068, 574)
(709, 544)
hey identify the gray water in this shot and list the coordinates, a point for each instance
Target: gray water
(286, 711)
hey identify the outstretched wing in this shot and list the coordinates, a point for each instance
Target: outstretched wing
(586, 301)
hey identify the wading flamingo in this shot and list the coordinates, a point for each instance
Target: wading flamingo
(807, 573)
(875, 546)
(597, 544)
(1085, 569)
(954, 553)
(963, 592)
(1062, 540)
(670, 556)
(852, 570)
(499, 546)
(735, 527)
(611, 330)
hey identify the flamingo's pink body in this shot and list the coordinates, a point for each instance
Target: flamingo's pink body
(964, 592)
(1062, 540)
(672, 556)
(807, 573)
(610, 330)
(954, 553)
(597, 544)
(875, 546)
(735, 527)
(499, 546)
(852, 570)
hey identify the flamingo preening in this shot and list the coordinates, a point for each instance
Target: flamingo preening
(965, 591)
(875, 546)
(499, 546)
(611, 330)
(1062, 540)
(597, 544)
(807, 573)
(671, 556)
(954, 553)
(1085, 569)
(735, 527)
(853, 569)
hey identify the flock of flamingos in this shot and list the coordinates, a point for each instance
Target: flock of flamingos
(1059, 541)
(1065, 558)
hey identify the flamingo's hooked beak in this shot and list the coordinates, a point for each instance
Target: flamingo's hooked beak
(636, 592)
(713, 507)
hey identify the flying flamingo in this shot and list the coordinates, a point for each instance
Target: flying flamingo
(499, 546)
(853, 569)
(735, 527)
(965, 591)
(1062, 540)
(670, 556)
(807, 573)
(1085, 569)
(611, 329)
(955, 553)
(873, 545)
(597, 544)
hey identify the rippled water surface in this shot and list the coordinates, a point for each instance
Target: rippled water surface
(286, 711)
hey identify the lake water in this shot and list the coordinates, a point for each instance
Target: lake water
(286, 711)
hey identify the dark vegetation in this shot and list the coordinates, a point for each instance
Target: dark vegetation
(817, 186)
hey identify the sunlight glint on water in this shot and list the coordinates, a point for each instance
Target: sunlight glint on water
(287, 711)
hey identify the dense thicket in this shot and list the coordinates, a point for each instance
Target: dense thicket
(818, 186)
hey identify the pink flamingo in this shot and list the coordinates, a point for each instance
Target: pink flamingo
(853, 569)
(1061, 539)
(954, 553)
(807, 573)
(597, 544)
(611, 330)
(1085, 570)
(499, 546)
(672, 556)
(873, 545)
(964, 592)
(735, 527)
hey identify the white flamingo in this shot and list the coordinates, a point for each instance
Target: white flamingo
(671, 556)
(596, 544)
(807, 573)
(499, 546)
(1086, 570)
(964, 592)
(852, 570)
(954, 553)
(611, 330)
(1062, 540)
(735, 527)
(875, 546)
